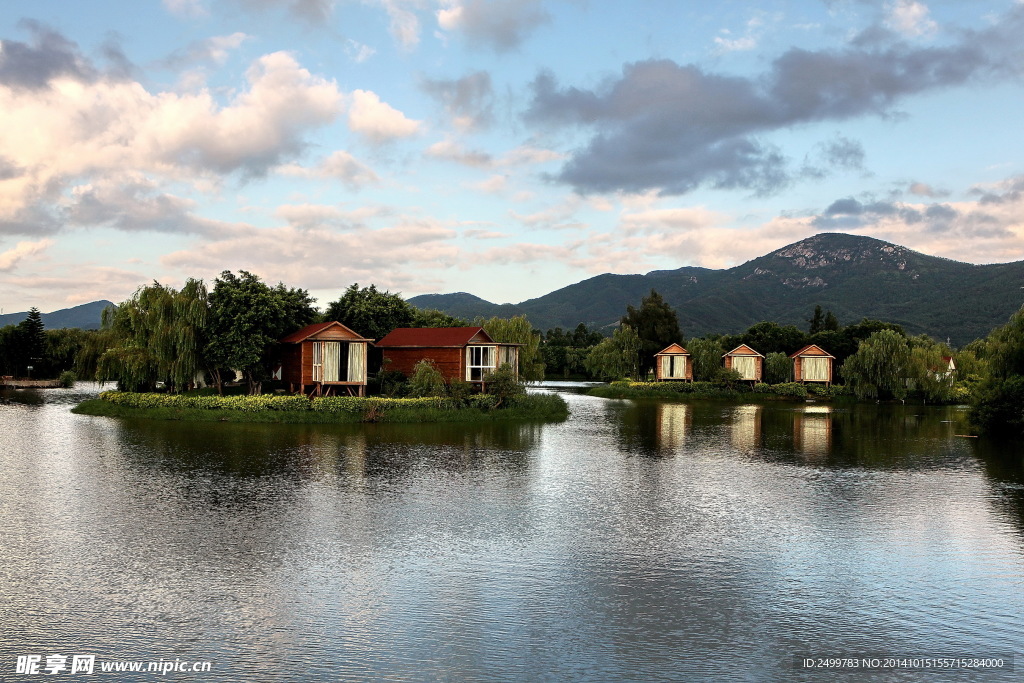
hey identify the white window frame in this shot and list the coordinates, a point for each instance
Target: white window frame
(480, 360)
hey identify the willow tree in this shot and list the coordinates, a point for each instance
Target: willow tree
(881, 366)
(706, 357)
(616, 357)
(156, 336)
(518, 330)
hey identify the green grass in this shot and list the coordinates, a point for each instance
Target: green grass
(530, 407)
(713, 390)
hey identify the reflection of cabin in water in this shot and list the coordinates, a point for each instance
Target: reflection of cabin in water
(327, 357)
(812, 430)
(674, 420)
(812, 364)
(672, 363)
(746, 427)
(466, 353)
(746, 361)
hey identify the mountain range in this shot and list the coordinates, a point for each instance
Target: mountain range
(86, 316)
(853, 276)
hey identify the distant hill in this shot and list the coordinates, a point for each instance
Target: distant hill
(86, 316)
(463, 305)
(854, 276)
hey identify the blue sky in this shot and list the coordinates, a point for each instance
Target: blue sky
(501, 147)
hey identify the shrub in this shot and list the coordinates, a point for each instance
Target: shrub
(504, 384)
(426, 380)
(67, 379)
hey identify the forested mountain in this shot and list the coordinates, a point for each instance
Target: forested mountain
(853, 276)
(86, 316)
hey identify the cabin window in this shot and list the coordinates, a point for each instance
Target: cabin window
(479, 362)
(510, 355)
(326, 361)
(673, 367)
(815, 369)
(746, 366)
(357, 362)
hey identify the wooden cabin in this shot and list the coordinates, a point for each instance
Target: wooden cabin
(672, 363)
(325, 359)
(812, 364)
(466, 353)
(746, 361)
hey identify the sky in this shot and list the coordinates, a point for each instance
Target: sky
(506, 148)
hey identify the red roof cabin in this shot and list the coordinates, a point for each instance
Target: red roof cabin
(327, 358)
(672, 363)
(746, 361)
(812, 364)
(465, 353)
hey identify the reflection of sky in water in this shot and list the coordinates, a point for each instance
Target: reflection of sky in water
(635, 541)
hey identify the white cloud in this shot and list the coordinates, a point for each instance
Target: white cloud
(909, 18)
(109, 131)
(340, 165)
(22, 250)
(186, 8)
(378, 121)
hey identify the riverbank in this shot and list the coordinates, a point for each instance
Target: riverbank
(331, 410)
(31, 383)
(689, 390)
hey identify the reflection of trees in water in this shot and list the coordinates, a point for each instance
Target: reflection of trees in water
(851, 435)
(29, 397)
(1003, 463)
(304, 451)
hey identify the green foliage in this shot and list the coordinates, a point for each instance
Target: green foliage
(67, 379)
(370, 312)
(790, 389)
(459, 390)
(770, 337)
(245, 320)
(881, 366)
(822, 322)
(426, 380)
(657, 326)
(778, 368)
(33, 336)
(431, 317)
(518, 330)
(615, 357)
(706, 356)
(565, 352)
(249, 404)
(158, 335)
(503, 384)
(998, 407)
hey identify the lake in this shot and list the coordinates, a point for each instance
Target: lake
(634, 541)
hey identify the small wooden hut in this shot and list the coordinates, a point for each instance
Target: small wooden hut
(672, 363)
(746, 361)
(464, 353)
(812, 364)
(325, 358)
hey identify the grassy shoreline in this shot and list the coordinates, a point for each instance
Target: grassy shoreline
(548, 407)
(682, 391)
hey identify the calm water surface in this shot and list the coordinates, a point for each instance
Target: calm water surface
(635, 541)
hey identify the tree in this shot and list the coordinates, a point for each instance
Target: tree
(770, 337)
(431, 317)
(881, 366)
(831, 323)
(657, 325)
(370, 312)
(518, 330)
(778, 368)
(816, 321)
(616, 357)
(706, 357)
(246, 319)
(997, 405)
(32, 337)
(156, 336)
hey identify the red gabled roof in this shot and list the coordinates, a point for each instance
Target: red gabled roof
(432, 336)
(807, 351)
(672, 349)
(742, 350)
(310, 330)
